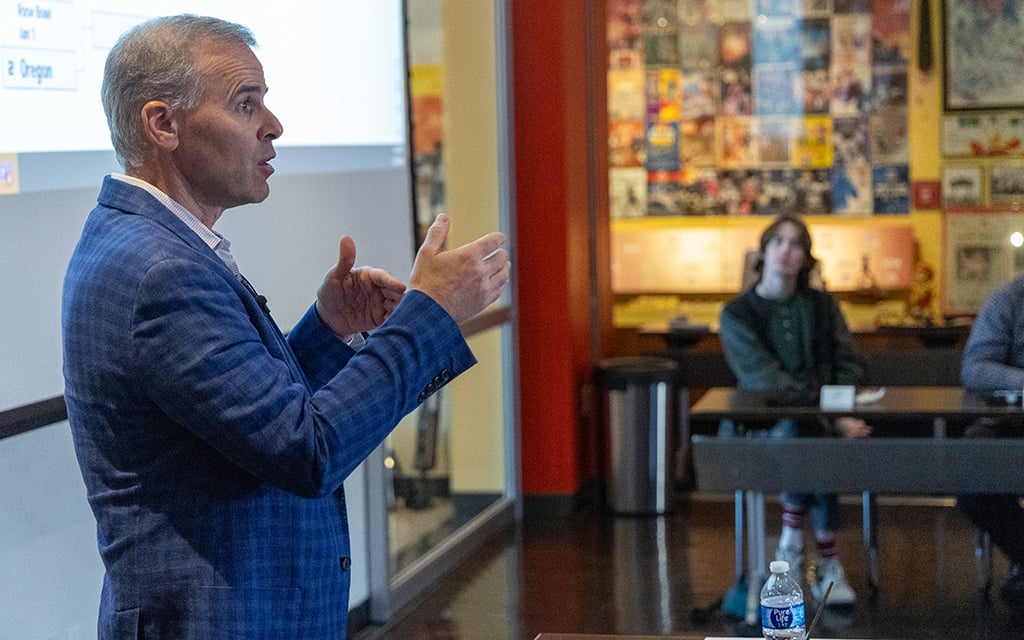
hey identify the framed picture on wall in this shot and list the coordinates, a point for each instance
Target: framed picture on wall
(1006, 183)
(978, 256)
(962, 186)
(990, 134)
(981, 44)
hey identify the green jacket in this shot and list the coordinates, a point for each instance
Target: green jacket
(828, 346)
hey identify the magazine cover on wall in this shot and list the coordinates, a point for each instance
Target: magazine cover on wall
(979, 255)
(698, 37)
(664, 193)
(627, 190)
(700, 193)
(627, 144)
(739, 143)
(890, 33)
(891, 189)
(663, 146)
(626, 97)
(697, 142)
(779, 192)
(982, 44)
(624, 34)
(812, 142)
(697, 94)
(777, 91)
(850, 140)
(814, 191)
(851, 64)
(815, 40)
(740, 191)
(773, 137)
(777, 39)
(851, 188)
(664, 93)
(890, 141)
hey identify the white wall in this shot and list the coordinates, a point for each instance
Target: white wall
(50, 569)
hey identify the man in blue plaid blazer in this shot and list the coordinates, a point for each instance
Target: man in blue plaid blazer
(213, 448)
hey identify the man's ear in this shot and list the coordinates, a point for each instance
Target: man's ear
(159, 125)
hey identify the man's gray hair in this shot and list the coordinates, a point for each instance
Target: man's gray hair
(155, 61)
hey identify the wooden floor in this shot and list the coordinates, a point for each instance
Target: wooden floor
(596, 573)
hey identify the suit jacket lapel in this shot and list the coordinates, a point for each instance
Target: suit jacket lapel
(136, 201)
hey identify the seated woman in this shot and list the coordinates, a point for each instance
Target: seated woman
(784, 336)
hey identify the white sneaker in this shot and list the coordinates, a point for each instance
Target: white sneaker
(795, 558)
(828, 570)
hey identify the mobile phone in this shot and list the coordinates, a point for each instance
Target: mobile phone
(1005, 397)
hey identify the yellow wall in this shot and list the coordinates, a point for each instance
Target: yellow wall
(471, 171)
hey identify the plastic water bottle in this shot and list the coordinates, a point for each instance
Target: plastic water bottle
(782, 605)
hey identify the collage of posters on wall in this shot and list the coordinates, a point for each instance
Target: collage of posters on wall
(758, 107)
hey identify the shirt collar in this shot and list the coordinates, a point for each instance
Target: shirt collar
(206, 234)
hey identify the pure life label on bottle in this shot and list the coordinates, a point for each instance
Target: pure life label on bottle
(782, 617)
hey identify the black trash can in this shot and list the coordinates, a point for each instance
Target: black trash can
(639, 401)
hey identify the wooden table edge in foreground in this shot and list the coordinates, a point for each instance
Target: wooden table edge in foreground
(598, 636)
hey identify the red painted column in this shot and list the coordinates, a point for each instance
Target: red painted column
(550, 70)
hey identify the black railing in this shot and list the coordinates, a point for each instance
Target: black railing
(32, 416)
(53, 410)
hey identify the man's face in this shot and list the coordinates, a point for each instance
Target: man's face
(226, 143)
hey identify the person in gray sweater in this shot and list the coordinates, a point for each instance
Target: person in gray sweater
(786, 337)
(993, 359)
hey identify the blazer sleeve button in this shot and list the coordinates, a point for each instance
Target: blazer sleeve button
(346, 563)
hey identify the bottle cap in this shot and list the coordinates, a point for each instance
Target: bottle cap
(779, 566)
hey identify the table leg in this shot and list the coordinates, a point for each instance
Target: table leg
(870, 541)
(738, 532)
(755, 554)
(760, 549)
(983, 561)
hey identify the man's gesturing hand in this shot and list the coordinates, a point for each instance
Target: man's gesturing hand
(351, 299)
(463, 280)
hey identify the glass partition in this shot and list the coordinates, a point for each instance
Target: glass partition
(447, 459)
(448, 476)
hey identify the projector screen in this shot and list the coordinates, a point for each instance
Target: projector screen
(337, 77)
(335, 68)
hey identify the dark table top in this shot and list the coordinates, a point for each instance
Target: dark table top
(678, 333)
(906, 402)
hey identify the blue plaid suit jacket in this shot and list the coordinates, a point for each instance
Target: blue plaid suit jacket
(213, 448)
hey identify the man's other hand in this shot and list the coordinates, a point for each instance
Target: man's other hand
(463, 280)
